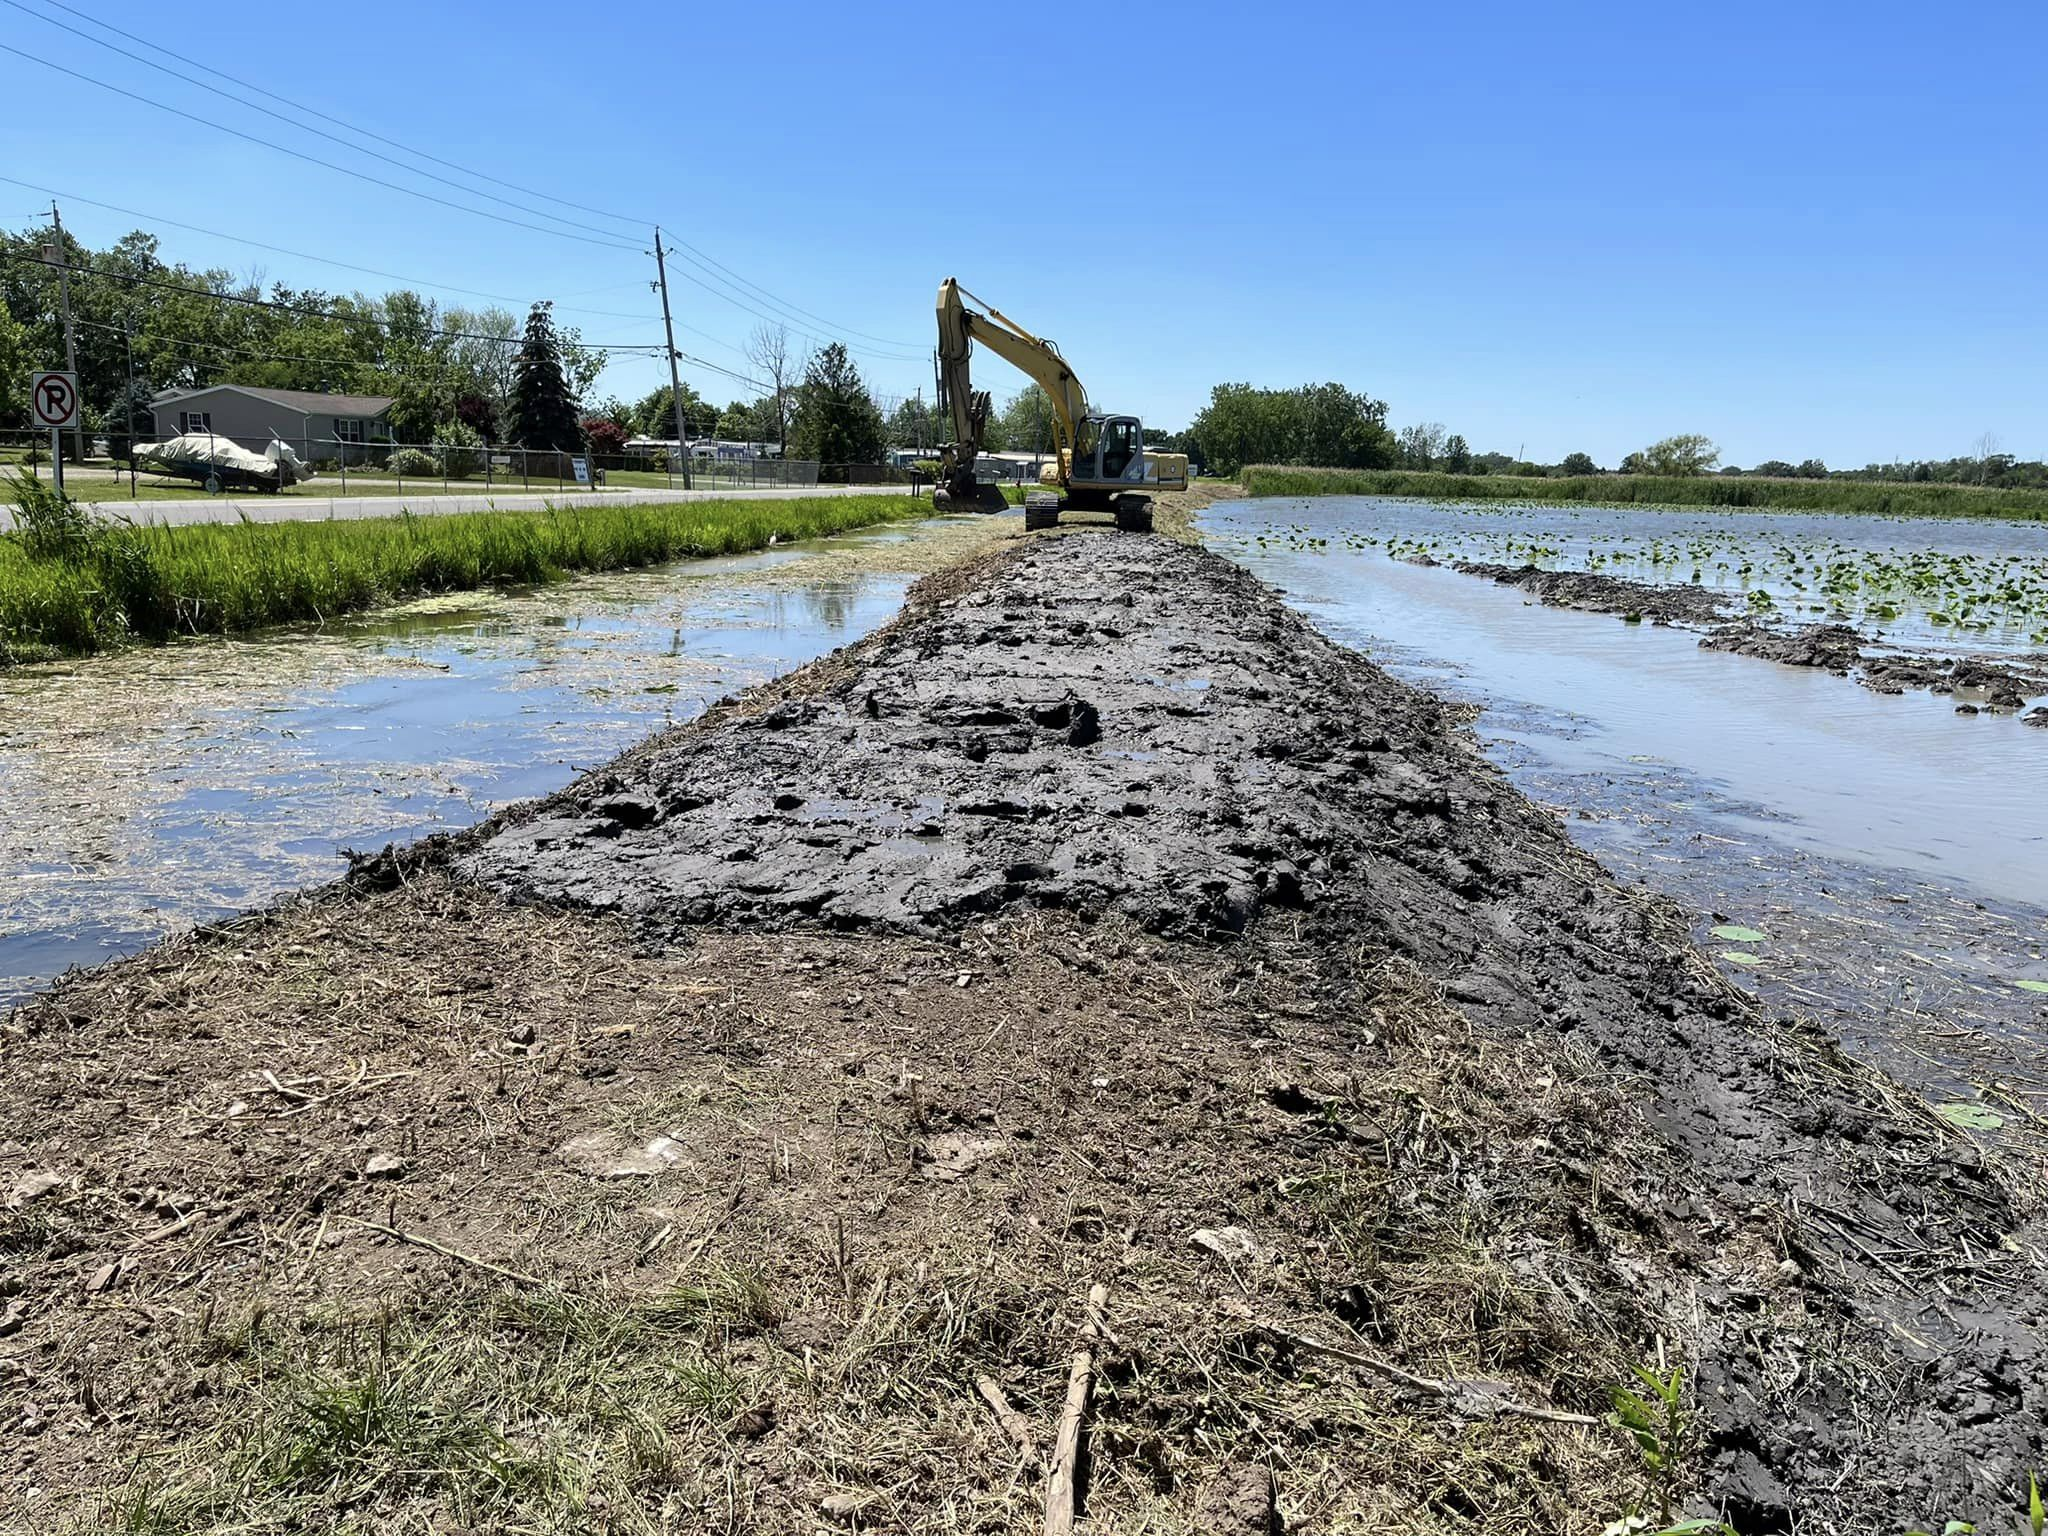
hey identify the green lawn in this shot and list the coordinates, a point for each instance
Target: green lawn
(152, 583)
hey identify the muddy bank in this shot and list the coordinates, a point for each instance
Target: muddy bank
(1991, 685)
(1097, 920)
(1606, 594)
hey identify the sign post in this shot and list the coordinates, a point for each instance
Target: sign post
(53, 403)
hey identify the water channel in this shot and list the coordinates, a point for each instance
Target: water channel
(1893, 854)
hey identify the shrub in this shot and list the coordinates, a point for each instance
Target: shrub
(604, 435)
(412, 461)
(457, 449)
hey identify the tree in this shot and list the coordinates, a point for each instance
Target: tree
(1776, 469)
(1987, 450)
(915, 423)
(543, 412)
(1579, 464)
(768, 349)
(1688, 453)
(1812, 469)
(741, 421)
(835, 420)
(1457, 455)
(1321, 424)
(603, 434)
(1027, 421)
(1422, 445)
(655, 414)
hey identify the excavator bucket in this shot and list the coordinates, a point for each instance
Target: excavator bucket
(968, 495)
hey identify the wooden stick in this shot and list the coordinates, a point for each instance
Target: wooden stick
(1014, 1424)
(451, 1253)
(1428, 1384)
(1062, 1486)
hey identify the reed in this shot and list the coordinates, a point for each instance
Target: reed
(151, 583)
(1867, 496)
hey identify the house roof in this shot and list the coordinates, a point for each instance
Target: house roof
(310, 402)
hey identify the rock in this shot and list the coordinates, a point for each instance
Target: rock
(33, 1186)
(1966, 709)
(384, 1165)
(843, 1507)
(1231, 1244)
(1240, 1500)
(2037, 716)
(605, 1155)
(754, 1422)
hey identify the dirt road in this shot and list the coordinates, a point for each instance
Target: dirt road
(730, 1141)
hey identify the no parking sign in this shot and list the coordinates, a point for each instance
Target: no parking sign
(53, 399)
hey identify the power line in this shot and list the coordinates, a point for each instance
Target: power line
(702, 257)
(207, 122)
(346, 266)
(214, 69)
(539, 213)
(324, 314)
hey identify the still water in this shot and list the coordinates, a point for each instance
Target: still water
(1896, 853)
(144, 792)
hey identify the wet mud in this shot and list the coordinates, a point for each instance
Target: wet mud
(1992, 686)
(1595, 593)
(1125, 726)
(1996, 686)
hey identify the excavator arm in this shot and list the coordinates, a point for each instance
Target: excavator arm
(960, 327)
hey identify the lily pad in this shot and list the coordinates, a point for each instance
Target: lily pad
(1741, 957)
(2034, 986)
(1738, 934)
(1971, 1117)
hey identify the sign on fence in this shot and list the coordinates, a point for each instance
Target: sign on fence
(53, 399)
(581, 466)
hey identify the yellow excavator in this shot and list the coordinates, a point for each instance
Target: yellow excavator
(1102, 463)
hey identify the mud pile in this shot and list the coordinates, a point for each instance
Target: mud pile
(1130, 726)
(1606, 594)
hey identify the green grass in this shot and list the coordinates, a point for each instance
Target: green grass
(1872, 496)
(153, 583)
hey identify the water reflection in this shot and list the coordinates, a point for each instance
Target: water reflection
(147, 791)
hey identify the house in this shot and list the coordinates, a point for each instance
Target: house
(320, 426)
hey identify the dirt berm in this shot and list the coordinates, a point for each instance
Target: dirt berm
(729, 1142)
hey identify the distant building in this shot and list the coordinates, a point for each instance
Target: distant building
(319, 426)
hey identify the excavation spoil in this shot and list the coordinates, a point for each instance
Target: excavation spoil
(1130, 726)
(730, 1141)
(1606, 594)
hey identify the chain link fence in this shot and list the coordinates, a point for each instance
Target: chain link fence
(116, 466)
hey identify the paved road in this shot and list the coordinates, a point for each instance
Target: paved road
(299, 509)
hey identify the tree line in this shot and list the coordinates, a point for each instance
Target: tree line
(455, 375)
(1329, 426)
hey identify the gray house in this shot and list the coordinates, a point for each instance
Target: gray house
(320, 426)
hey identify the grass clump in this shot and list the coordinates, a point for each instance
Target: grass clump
(72, 584)
(1876, 497)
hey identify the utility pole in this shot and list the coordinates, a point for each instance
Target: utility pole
(63, 264)
(675, 382)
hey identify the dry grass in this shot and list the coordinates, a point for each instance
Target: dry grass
(884, 1185)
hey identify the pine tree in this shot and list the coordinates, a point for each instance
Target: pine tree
(544, 414)
(836, 421)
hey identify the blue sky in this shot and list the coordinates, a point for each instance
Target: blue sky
(1817, 230)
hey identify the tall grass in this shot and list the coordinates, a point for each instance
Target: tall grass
(1874, 496)
(151, 583)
